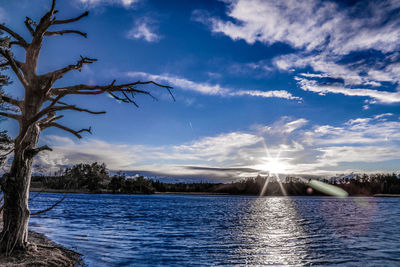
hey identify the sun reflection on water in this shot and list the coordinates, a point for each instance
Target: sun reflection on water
(273, 234)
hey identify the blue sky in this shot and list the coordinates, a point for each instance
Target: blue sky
(281, 86)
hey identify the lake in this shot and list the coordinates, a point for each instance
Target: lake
(209, 230)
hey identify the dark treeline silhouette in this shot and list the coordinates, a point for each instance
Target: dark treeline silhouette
(94, 178)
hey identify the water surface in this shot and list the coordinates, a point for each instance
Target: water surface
(206, 230)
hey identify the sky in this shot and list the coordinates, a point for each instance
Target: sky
(294, 87)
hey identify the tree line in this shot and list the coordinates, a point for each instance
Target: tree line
(94, 178)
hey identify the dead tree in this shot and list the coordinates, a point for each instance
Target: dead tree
(39, 110)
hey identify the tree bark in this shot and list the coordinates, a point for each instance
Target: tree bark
(34, 117)
(15, 186)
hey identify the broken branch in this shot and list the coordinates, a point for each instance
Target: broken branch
(15, 35)
(12, 116)
(62, 127)
(28, 23)
(11, 101)
(30, 153)
(14, 65)
(78, 66)
(64, 32)
(51, 207)
(71, 20)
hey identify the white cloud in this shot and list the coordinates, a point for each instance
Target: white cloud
(379, 96)
(309, 25)
(217, 151)
(183, 83)
(339, 154)
(360, 131)
(381, 116)
(221, 148)
(327, 68)
(325, 34)
(285, 125)
(300, 147)
(144, 29)
(328, 149)
(94, 3)
(212, 89)
(267, 94)
(352, 74)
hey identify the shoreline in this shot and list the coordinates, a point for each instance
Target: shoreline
(42, 251)
(61, 191)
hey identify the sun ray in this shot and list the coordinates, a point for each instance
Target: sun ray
(274, 169)
(265, 186)
(280, 184)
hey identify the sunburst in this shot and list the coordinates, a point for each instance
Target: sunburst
(274, 166)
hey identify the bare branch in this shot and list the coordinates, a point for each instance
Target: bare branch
(75, 108)
(47, 111)
(4, 64)
(64, 32)
(10, 100)
(36, 195)
(53, 6)
(128, 90)
(71, 20)
(49, 208)
(57, 101)
(50, 118)
(33, 50)
(14, 65)
(72, 107)
(28, 23)
(30, 153)
(15, 35)
(78, 66)
(52, 109)
(12, 116)
(159, 85)
(10, 44)
(127, 99)
(7, 153)
(62, 127)
(83, 89)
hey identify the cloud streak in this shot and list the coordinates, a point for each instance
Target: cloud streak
(379, 96)
(212, 89)
(95, 3)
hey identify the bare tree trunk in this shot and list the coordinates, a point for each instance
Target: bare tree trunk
(15, 186)
(33, 116)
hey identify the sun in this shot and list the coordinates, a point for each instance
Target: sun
(275, 165)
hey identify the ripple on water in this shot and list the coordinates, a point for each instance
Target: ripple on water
(193, 230)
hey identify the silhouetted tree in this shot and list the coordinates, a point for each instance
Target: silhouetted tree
(116, 184)
(38, 111)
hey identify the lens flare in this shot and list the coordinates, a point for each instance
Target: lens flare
(327, 188)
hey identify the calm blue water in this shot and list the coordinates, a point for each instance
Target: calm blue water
(203, 230)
